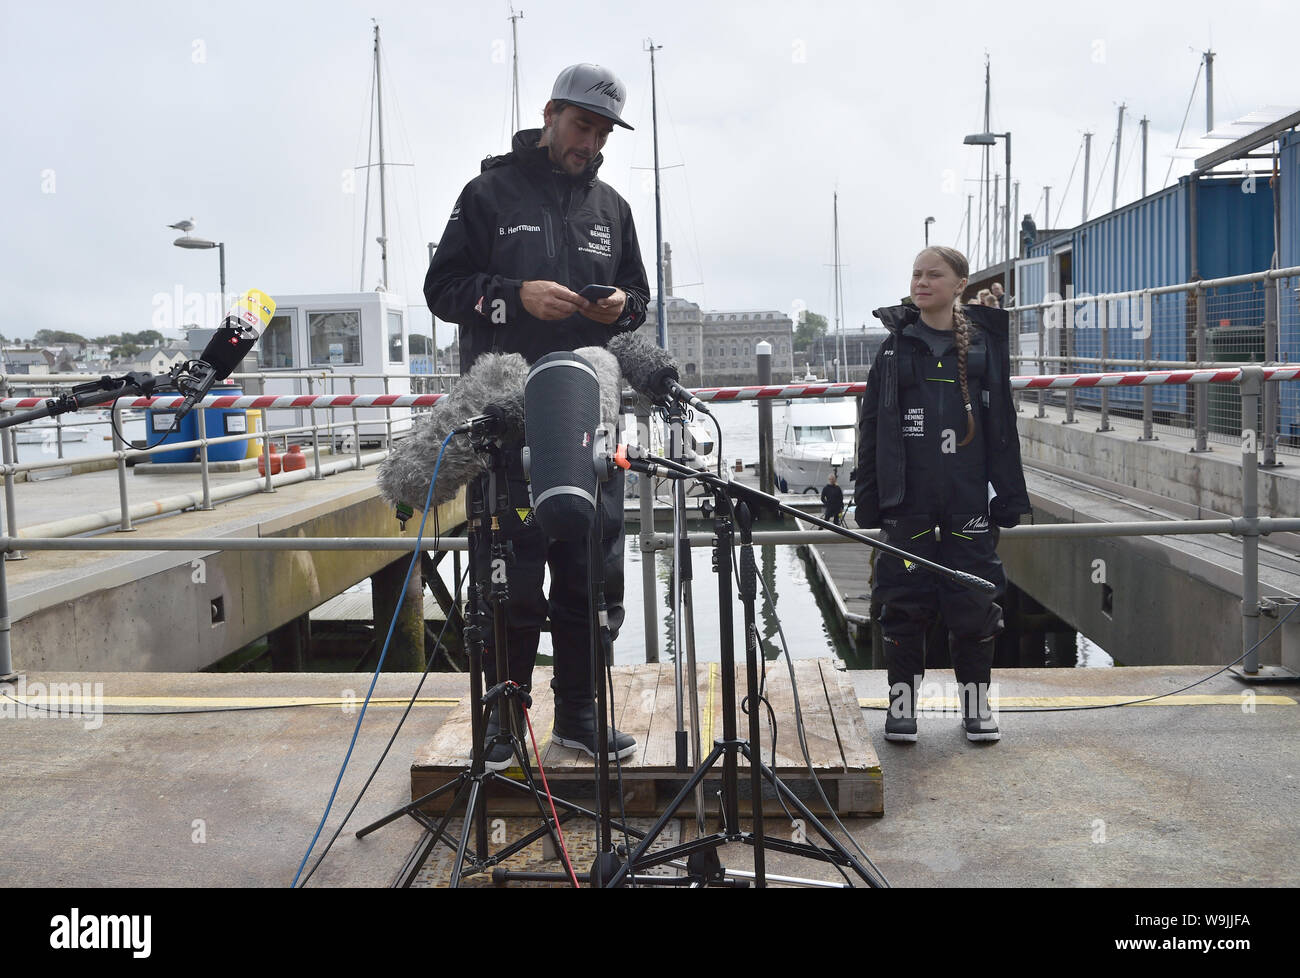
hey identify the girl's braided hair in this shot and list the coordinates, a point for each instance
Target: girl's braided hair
(955, 260)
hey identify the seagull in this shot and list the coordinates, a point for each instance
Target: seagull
(184, 226)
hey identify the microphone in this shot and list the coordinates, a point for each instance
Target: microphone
(561, 418)
(649, 370)
(248, 318)
(488, 399)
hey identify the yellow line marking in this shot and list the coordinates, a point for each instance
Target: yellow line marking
(1202, 699)
(229, 701)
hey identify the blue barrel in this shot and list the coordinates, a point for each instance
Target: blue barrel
(157, 422)
(226, 421)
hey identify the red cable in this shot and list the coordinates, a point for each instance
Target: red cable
(551, 801)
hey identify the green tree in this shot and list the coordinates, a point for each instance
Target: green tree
(53, 337)
(124, 351)
(811, 327)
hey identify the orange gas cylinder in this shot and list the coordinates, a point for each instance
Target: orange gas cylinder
(275, 463)
(295, 460)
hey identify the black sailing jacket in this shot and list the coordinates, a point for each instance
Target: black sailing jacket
(519, 220)
(911, 417)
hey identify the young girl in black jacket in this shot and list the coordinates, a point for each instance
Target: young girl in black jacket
(937, 427)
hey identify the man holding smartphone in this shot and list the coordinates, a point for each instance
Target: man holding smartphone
(526, 239)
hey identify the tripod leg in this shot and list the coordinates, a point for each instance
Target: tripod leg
(836, 846)
(471, 810)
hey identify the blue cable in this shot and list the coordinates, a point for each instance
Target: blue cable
(415, 556)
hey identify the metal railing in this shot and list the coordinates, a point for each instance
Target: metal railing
(123, 455)
(1250, 379)
(1223, 322)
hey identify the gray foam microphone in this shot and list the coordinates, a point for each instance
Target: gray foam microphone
(649, 370)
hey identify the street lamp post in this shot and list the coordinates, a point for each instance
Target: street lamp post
(990, 139)
(200, 244)
(928, 222)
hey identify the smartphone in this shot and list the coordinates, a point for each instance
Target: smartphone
(593, 292)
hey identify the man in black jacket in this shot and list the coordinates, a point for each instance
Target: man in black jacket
(530, 232)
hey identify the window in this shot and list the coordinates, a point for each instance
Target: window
(276, 347)
(396, 352)
(335, 337)
(735, 349)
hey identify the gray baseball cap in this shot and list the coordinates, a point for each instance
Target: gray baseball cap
(594, 88)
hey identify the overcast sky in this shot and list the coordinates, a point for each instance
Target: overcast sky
(121, 118)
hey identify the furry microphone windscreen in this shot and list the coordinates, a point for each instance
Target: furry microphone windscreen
(644, 365)
(404, 476)
(611, 383)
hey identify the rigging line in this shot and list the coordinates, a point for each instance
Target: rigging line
(1068, 183)
(365, 207)
(690, 205)
(1100, 170)
(1178, 142)
(356, 153)
(404, 227)
(1132, 151)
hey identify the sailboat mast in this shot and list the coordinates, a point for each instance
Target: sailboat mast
(661, 331)
(383, 208)
(841, 349)
(516, 120)
(988, 222)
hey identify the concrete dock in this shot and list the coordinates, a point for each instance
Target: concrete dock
(1203, 790)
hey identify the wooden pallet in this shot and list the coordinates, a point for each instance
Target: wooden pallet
(838, 743)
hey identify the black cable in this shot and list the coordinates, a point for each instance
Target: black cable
(387, 747)
(799, 727)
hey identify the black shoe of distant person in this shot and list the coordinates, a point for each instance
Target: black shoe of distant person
(575, 726)
(900, 719)
(977, 717)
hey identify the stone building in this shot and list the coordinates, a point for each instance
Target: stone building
(718, 348)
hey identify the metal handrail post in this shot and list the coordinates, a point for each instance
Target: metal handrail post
(1272, 393)
(6, 651)
(315, 431)
(388, 415)
(266, 459)
(645, 483)
(1202, 416)
(1103, 312)
(356, 427)
(58, 435)
(201, 420)
(9, 453)
(1042, 364)
(120, 446)
(1148, 393)
(1068, 333)
(1252, 382)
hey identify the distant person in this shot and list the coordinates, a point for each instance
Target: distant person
(987, 299)
(998, 295)
(832, 500)
(936, 427)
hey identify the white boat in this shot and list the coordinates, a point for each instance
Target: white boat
(819, 438)
(43, 431)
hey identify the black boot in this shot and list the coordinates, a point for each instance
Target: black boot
(575, 726)
(972, 663)
(498, 754)
(905, 662)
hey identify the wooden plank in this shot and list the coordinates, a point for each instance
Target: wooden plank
(637, 715)
(823, 745)
(659, 750)
(851, 726)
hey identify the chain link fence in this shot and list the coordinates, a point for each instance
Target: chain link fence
(1227, 322)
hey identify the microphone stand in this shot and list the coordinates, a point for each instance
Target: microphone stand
(96, 392)
(684, 609)
(703, 864)
(491, 499)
